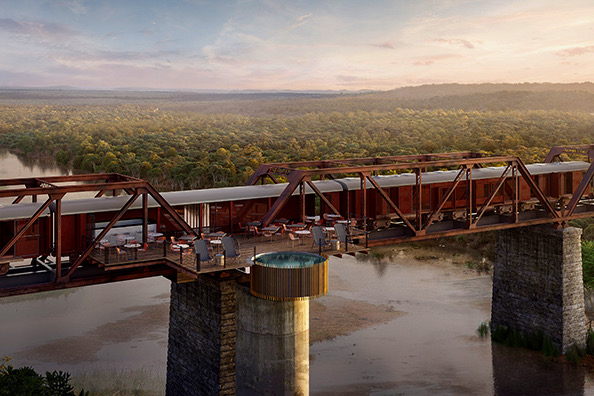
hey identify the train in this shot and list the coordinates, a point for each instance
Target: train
(229, 209)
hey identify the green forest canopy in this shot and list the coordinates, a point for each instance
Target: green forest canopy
(175, 141)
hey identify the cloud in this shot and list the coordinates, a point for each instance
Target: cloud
(302, 20)
(75, 6)
(36, 28)
(460, 42)
(426, 61)
(386, 45)
(576, 51)
(304, 17)
(117, 57)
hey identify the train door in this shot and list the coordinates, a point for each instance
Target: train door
(28, 245)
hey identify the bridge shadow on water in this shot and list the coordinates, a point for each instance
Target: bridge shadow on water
(520, 372)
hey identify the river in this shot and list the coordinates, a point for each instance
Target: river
(117, 333)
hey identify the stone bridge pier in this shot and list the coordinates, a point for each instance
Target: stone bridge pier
(538, 285)
(201, 348)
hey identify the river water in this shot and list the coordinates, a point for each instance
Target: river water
(118, 332)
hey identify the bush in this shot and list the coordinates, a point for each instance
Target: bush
(513, 338)
(483, 329)
(588, 263)
(590, 342)
(26, 381)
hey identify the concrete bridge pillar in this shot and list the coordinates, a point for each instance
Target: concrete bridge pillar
(201, 350)
(272, 346)
(537, 284)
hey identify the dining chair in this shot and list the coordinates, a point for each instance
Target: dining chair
(293, 238)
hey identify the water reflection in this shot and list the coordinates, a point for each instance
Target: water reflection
(13, 166)
(521, 372)
(380, 262)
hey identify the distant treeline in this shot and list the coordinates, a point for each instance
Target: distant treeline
(183, 150)
(468, 97)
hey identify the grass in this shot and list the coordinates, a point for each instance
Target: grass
(536, 341)
(480, 266)
(141, 382)
(483, 329)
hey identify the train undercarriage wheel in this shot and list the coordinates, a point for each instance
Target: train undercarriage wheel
(4, 267)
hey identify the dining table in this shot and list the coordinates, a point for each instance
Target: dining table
(216, 244)
(296, 225)
(134, 247)
(216, 235)
(252, 227)
(271, 230)
(302, 234)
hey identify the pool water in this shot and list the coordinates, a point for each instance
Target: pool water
(289, 259)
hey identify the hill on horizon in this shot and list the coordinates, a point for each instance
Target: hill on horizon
(578, 97)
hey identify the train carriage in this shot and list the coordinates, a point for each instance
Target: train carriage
(231, 208)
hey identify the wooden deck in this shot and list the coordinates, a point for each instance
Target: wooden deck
(184, 260)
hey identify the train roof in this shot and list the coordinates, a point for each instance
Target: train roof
(240, 193)
(353, 183)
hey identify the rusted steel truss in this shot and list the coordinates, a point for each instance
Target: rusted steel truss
(284, 168)
(421, 224)
(56, 187)
(584, 150)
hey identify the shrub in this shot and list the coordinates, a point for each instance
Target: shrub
(483, 329)
(588, 263)
(535, 341)
(26, 381)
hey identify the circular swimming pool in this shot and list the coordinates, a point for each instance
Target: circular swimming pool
(289, 259)
(289, 276)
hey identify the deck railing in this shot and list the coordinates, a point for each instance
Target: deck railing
(248, 246)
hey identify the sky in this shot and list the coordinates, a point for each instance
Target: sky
(293, 45)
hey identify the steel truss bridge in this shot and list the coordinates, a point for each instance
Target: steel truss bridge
(391, 199)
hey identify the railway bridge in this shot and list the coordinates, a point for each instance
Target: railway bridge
(71, 231)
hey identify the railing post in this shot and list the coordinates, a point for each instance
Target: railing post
(198, 257)
(224, 259)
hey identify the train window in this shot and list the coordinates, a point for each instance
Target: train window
(568, 183)
(486, 189)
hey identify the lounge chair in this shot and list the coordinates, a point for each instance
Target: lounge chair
(202, 253)
(230, 247)
(318, 237)
(342, 234)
